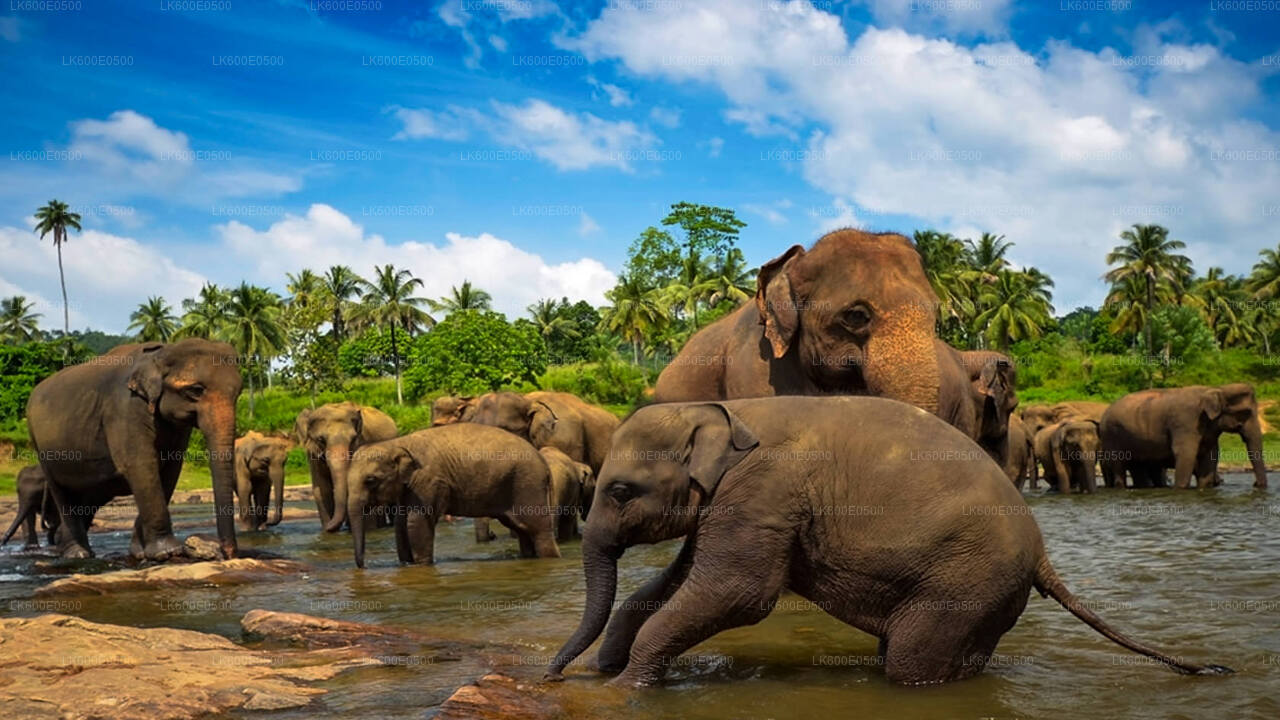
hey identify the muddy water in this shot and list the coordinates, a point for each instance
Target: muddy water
(1193, 573)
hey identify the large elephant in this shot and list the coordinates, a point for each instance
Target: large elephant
(992, 382)
(460, 469)
(854, 315)
(1038, 417)
(260, 472)
(33, 500)
(571, 483)
(452, 408)
(330, 434)
(119, 424)
(551, 419)
(807, 494)
(1145, 432)
(1069, 452)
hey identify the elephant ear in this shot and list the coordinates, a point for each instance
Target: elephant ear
(300, 426)
(542, 422)
(1213, 402)
(718, 441)
(147, 379)
(406, 464)
(357, 420)
(776, 303)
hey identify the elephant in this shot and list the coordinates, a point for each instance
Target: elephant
(1020, 462)
(571, 483)
(1038, 417)
(993, 382)
(551, 419)
(33, 500)
(119, 424)
(461, 469)
(1147, 431)
(452, 408)
(807, 494)
(1071, 448)
(854, 315)
(259, 472)
(330, 434)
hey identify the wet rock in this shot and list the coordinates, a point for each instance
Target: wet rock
(202, 547)
(58, 666)
(495, 697)
(390, 645)
(237, 571)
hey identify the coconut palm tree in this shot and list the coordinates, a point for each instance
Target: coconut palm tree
(1264, 281)
(55, 218)
(987, 254)
(948, 272)
(205, 315)
(731, 279)
(1016, 309)
(1223, 303)
(17, 323)
(466, 297)
(388, 301)
(636, 311)
(1151, 260)
(341, 284)
(154, 320)
(548, 316)
(304, 288)
(253, 328)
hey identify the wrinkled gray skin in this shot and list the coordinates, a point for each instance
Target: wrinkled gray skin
(993, 383)
(1146, 432)
(119, 425)
(452, 408)
(260, 472)
(1021, 459)
(463, 469)
(1073, 452)
(571, 483)
(808, 494)
(330, 434)
(33, 501)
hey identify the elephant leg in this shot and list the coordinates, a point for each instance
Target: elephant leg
(149, 540)
(321, 489)
(639, 607)
(261, 501)
(1089, 478)
(521, 535)
(483, 533)
(74, 538)
(566, 525)
(415, 535)
(926, 646)
(1063, 474)
(32, 538)
(1184, 457)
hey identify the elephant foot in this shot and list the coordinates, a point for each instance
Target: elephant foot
(76, 552)
(163, 548)
(633, 679)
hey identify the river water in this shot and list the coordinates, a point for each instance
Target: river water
(1193, 573)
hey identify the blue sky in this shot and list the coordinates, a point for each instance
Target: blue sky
(523, 144)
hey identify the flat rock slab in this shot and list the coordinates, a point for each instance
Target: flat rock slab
(500, 697)
(58, 666)
(237, 571)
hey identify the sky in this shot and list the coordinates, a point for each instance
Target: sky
(523, 144)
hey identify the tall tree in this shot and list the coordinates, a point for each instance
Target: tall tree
(1264, 281)
(1015, 309)
(732, 279)
(205, 315)
(341, 284)
(987, 254)
(946, 267)
(1148, 263)
(1223, 304)
(17, 323)
(636, 311)
(466, 297)
(389, 301)
(708, 230)
(55, 218)
(549, 317)
(653, 259)
(254, 329)
(154, 320)
(304, 288)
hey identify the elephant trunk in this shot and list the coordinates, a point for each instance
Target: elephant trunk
(902, 361)
(1252, 436)
(277, 489)
(356, 512)
(338, 460)
(219, 428)
(600, 564)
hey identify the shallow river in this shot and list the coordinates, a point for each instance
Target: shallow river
(1196, 574)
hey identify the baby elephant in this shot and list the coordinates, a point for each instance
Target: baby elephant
(880, 513)
(32, 501)
(571, 483)
(460, 469)
(1069, 453)
(260, 470)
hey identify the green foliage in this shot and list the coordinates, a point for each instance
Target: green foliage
(24, 366)
(653, 258)
(1181, 336)
(367, 354)
(610, 382)
(475, 351)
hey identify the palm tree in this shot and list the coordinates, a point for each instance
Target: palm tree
(636, 311)
(154, 320)
(340, 285)
(987, 254)
(462, 298)
(1221, 299)
(1017, 308)
(732, 279)
(1150, 259)
(204, 316)
(304, 288)
(55, 218)
(1264, 281)
(548, 316)
(389, 301)
(17, 322)
(952, 279)
(253, 328)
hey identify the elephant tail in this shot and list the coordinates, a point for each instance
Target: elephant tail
(23, 512)
(1048, 584)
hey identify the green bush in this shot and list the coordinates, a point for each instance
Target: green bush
(369, 354)
(22, 367)
(612, 382)
(475, 351)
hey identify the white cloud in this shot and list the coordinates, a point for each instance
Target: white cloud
(567, 140)
(618, 97)
(458, 15)
(666, 117)
(588, 226)
(715, 146)
(1059, 150)
(771, 213)
(108, 276)
(326, 236)
(498, 42)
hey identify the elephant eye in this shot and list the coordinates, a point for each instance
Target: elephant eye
(193, 391)
(621, 492)
(856, 318)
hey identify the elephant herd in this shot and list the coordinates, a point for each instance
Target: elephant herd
(899, 514)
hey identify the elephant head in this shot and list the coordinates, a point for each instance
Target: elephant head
(532, 420)
(1078, 445)
(380, 478)
(449, 409)
(1037, 418)
(331, 433)
(195, 383)
(261, 457)
(857, 313)
(661, 470)
(1233, 408)
(994, 381)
